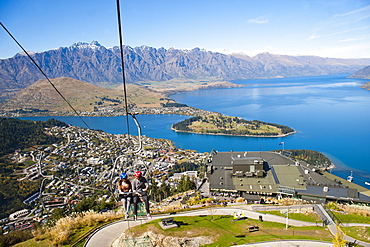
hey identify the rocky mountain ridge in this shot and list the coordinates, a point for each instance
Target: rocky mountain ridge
(100, 66)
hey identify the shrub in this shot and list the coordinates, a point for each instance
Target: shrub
(332, 206)
(239, 199)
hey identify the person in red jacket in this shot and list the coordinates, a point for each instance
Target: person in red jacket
(140, 187)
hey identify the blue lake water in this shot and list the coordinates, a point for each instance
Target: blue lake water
(331, 114)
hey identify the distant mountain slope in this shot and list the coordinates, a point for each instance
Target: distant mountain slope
(98, 65)
(83, 96)
(363, 73)
(366, 86)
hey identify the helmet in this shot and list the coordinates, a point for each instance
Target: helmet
(138, 174)
(123, 176)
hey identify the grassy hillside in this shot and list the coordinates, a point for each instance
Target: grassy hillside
(41, 97)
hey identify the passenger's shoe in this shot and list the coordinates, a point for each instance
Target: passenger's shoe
(135, 218)
(126, 216)
(149, 216)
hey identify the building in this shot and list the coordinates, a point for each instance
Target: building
(254, 175)
(20, 213)
(178, 176)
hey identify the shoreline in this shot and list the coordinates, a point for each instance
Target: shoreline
(264, 136)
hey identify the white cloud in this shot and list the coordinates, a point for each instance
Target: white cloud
(314, 36)
(363, 10)
(343, 51)
(250, 53)
(259, 20)
(350, 40)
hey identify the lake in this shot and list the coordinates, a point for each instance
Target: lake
(331, 114)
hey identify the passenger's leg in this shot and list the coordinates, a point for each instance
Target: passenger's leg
(135, 202)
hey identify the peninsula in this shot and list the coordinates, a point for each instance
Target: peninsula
(236, 126)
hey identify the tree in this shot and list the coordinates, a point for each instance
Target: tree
(165, 190)
(158, 193)
(86, 204)
(185, 184)
(339, 240)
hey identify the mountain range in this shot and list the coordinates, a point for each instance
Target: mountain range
(98, 65)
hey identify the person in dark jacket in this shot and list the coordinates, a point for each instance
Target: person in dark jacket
(139, 188)
(124, 192)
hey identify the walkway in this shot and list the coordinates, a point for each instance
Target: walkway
(333, 230)
(105, 236)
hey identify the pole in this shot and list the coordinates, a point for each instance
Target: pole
(287, 219)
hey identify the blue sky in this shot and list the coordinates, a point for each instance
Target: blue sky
(338, 28)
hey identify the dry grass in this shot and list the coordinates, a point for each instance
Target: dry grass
(65, 227)
(355, 209)
(288, 201)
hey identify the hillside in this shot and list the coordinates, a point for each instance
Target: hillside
(12, 129)
(95, 64)
(41, 97)
(363, 73)
(17, 135)
(366, 86)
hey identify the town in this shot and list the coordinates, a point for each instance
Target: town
(111, 111)
(84, 168)
(89, 162)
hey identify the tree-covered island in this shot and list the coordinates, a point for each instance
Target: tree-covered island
(225, 125)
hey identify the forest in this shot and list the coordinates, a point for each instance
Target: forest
(19, 134)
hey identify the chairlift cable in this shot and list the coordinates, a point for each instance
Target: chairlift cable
(139, 134)
(47, 78)
(123, 66)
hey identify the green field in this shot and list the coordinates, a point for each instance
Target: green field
(224, 231)
(308, 217)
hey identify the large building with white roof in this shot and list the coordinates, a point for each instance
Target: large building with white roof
(253, 175)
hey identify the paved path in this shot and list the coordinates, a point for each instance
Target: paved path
(333, 230)
(105, 236)
(289, 243)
